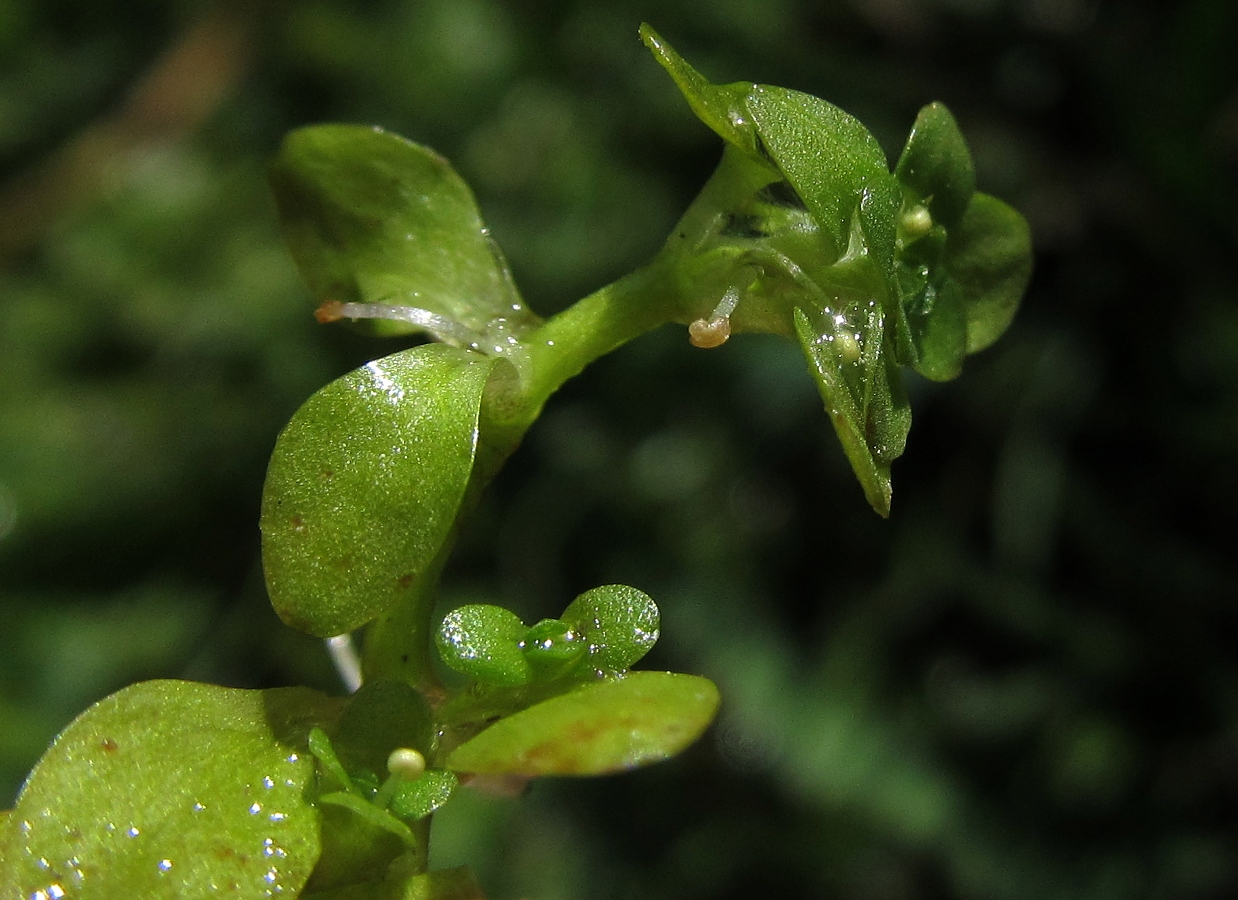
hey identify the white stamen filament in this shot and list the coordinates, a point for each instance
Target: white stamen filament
(440, 327)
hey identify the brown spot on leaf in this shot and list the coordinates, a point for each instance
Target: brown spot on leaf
(405, 581)
(109, 745)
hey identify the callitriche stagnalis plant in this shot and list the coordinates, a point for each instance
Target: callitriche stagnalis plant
(176, 789)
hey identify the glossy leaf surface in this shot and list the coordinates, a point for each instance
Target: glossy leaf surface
(364, 484)
(417, 799)
(602, 727)
(864, 399)
(172, 789)
(620, 624)
(370, 216)
(483, 642)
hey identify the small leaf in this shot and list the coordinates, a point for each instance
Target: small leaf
(602, 727)
(722, 107)
(169, 789)
(552, 646)
(381, 716)
(417, 799)
(619, 622)
(937, 166)
(989, 254)
(483, 642)
(372, 217)
(825, 154)
(940, 328)
(363, 487)
(863, 396)
(322, 749)
(370, 814)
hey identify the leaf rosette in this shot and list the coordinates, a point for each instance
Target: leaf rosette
(805, 231)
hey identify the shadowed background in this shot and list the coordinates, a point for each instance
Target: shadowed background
(1022, 685)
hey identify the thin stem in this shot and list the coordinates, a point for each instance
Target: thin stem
(398, 644)
(593, 327)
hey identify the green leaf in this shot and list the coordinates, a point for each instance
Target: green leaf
(619, 622)
(552, 647)
(989, 254)
(445, 884)
(863, 395)
(172, 789)
(483, 642)
(417, 799)
(371, 815)
(602, 727)
(364, 485)
(380, 717)
(939, 328)
(825, 154)
(722, 107)
(937, 166)
(372, 217)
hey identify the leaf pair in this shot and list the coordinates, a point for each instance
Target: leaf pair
(560, 691)
(607, 629)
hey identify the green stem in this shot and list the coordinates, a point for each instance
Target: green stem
(593, 327)
(398, 644)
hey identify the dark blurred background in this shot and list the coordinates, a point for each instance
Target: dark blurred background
(1024, 684)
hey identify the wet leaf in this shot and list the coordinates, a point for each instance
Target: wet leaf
(417, 799)
(172, 789)
(483, 642)
(863, 396)
(372, 217)
(620, 624)
(602, 727)
(364, 484)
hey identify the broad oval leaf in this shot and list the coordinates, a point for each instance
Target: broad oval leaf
(372, 217)
(483, 642)
(989, 254)
(619, 622)
(364, 484)
(602, 727)
(171, 789)
(937, 166)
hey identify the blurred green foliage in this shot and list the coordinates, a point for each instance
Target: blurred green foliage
(1025, 684)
